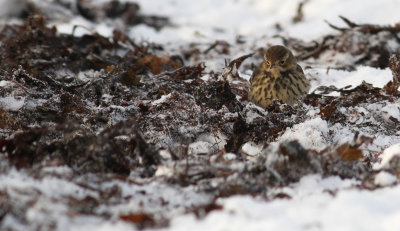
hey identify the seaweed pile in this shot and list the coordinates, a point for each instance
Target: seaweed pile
(109, 114)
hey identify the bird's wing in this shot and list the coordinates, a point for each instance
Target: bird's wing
(257, 72)
(299, 69)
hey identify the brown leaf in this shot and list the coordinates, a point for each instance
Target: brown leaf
(282, 195)
(394, 119)
(188, 72)
(156, 64)
(327, 111)
(349, 152)
(140, 219)
(7, 120)
(129, 79)
(392, 87)
(394, 64)
(110, 68)
(237, 62)
(233, 66)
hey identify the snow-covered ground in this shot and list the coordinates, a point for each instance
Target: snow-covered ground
(311, 206)
(313, 203)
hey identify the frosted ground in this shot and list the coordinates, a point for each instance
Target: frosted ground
(311, 206)
(313, 203)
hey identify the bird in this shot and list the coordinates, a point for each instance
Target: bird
(278, 77)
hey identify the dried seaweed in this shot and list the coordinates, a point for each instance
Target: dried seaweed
(299, 13)
(129, 12)
(393, 86)
(83, 151)
(366, 43)
(231, 70)
(106, 116)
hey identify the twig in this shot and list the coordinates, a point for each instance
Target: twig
(348, 22)
(299, 15)
(232, 68)
(366, 28)
(214, 45)
(238, 62)
(334, 27)
(316, 52)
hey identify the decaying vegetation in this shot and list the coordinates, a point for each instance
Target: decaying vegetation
(108, 117)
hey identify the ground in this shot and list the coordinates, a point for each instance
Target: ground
(134, 115)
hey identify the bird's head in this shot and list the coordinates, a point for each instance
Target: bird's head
(279, 59)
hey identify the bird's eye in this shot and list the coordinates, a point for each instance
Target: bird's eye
(282, 62)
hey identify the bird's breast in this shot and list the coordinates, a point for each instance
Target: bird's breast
(275, 72)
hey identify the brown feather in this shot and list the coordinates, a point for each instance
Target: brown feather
(285, 81)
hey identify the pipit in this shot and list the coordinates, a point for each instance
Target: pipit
(278, 77)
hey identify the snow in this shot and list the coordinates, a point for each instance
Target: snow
(341, 79)
(50, 186)
(387, 155)
(229, 156)
(310, 134)
(104, 226)
(162, 99)
(200, 147)
(385, 179)
(314, 203)
(164, 171)
(313, 206)
(4, 83)
(11, 8)
(251, 148)
(81, 26)
(50, 190)
(391, 111)
(10, 103)
(258, 18)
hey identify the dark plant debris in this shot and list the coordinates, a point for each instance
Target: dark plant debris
(108, 116)
(128, 12)
(366, 44)
(299, 14)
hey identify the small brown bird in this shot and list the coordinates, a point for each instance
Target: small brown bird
(278, 77)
